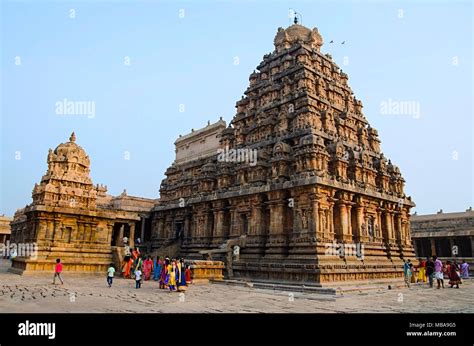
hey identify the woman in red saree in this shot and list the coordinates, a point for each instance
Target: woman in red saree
(147, 268)
(127, 267)
(453, 276)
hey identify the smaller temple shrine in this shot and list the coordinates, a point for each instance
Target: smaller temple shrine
(73, 219)
(4, 229)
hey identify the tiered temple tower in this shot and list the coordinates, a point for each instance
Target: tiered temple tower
(320, 183)
(72, 219)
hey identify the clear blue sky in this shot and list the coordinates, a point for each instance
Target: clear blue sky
(190, 61)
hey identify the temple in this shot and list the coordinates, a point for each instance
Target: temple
(5, 230)
(294, 189)
(72, 219)
(320, 184)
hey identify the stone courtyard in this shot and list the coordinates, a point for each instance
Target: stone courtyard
(79, 294)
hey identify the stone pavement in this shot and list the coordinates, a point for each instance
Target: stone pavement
(91, 294)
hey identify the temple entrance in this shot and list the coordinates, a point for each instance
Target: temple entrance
(120, 230)
(178, 230)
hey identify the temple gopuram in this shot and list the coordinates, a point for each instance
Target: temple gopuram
(72, 219)
(321, 203)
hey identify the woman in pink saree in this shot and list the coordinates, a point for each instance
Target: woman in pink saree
(147, 268)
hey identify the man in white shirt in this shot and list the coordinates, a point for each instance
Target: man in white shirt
(138, 278)
(110, 275)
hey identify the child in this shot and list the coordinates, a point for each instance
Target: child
(110, 274)
(138, 277)
(57, 272)
(188, 275)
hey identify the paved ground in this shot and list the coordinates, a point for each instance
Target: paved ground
(91, 294)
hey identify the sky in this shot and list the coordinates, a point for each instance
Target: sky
(156, 69)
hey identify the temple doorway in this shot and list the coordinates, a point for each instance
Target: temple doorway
(178, 230)
(119, 231)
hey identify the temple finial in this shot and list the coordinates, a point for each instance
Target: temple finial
(295, 20)
(73, 137)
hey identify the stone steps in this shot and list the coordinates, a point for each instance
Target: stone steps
(277, 286)
(325, 288)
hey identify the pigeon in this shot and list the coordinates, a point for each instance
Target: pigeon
(331, 41)
(343, 42)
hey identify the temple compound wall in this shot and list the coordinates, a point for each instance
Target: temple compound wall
(321, 203)
(446, 235)
(74, 220)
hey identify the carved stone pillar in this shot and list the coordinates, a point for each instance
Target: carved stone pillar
(361, 234)
(46, 234)
(160, 228)
(276, 217)
(349, 235)
(433, 247)
(167, 231)
(256, 220)
(276, 244)
(234, 223)
(379, 234)
(399, 234)
(187, 225)
(119, 240)
(387, 234)
(50, 228)
(406, 231)
(330, 220)
(142, 230)
(207, 225)
(89, 233)
(217, 223)
(80, 232)
(315, 226)
(393, 226)
(131, 240)
(218, 231)
(342, 224)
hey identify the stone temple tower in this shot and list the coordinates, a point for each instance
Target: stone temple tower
(71, 219)
(320, 204)
(66, 182)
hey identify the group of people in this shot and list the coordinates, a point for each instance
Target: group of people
(434, 268)
(172, 274)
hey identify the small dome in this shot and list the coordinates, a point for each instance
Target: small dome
(70, 152)
(296, 32)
